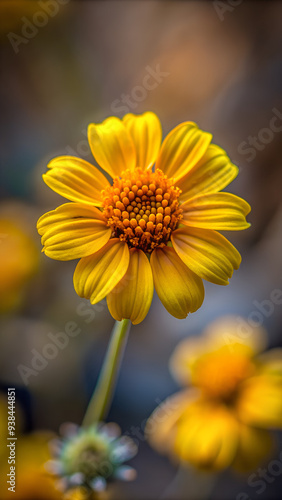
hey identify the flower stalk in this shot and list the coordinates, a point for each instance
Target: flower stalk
(103, 393)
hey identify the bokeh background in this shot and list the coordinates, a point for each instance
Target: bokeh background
(220, 67)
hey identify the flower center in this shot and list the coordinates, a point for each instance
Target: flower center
(220, 373)
(86, 454)
(142, 208)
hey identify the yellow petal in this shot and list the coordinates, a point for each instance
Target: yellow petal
(72, 231)
(95, 276)
(183, 147)
(161, 427)
(112, 146)
(209, 254)
(254, 446)
(76, 180)
(185, 355)
(207, 436)
(198, 431)
(146, 133)
(211, 174)
(132, 296)
(179, 289)
(221, 211)
(260, 401)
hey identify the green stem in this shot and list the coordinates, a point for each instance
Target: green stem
(103, 393)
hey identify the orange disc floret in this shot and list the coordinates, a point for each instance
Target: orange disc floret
(142, 208)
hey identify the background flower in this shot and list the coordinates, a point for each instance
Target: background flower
(235, 398)
(19, 259)
(32, 482)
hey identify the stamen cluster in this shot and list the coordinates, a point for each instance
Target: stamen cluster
(142, 208)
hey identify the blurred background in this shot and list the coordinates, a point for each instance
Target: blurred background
(65, 64)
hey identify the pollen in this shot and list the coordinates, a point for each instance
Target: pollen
(142, 208)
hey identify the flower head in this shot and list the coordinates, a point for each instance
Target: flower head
(86, 460)
(235, 399)
(155, 225)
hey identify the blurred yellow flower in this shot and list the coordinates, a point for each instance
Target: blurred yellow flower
(151, 226)
(32, 481)
(18, 262)
(236, 398)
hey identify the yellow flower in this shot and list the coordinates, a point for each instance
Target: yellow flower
(32, 481)
(152, 226)
(236, 398)
(18, 262)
